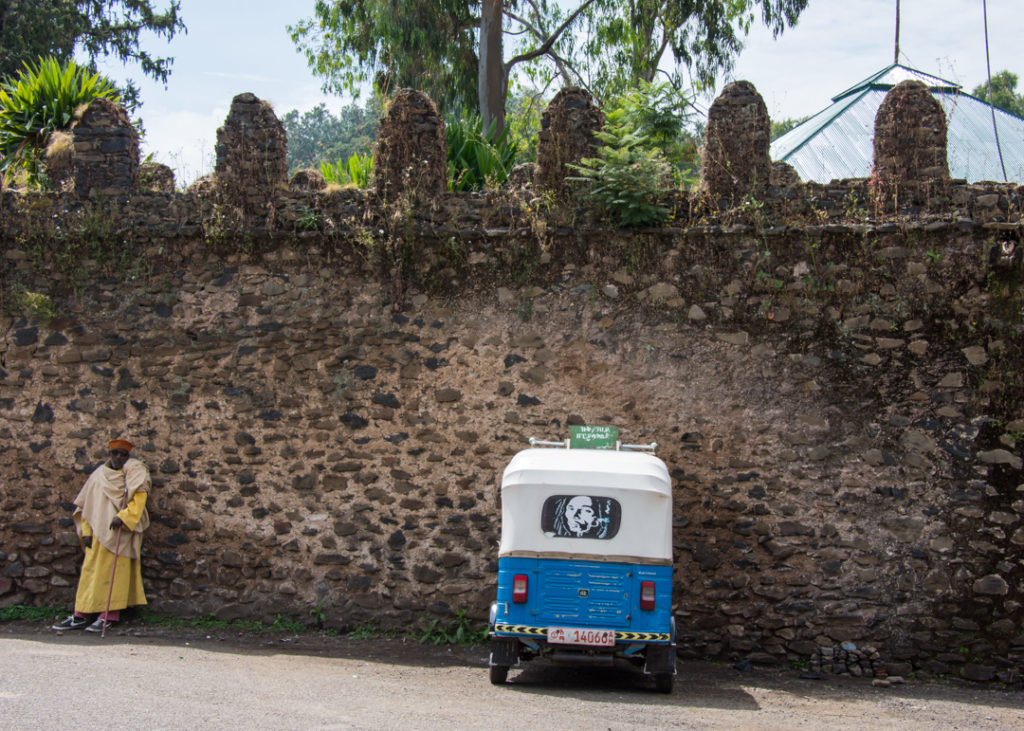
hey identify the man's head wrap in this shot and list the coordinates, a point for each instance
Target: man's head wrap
(120, 444)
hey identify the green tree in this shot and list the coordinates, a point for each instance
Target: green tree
(452, 51)
(428, 45)
(318, 136)
(644, 152)
(782, 126)
(629, 40)
(1004, 94)
(32, 29)
(523, 117)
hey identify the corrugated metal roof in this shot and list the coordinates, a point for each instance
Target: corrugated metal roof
(894, 74)
(838, 143)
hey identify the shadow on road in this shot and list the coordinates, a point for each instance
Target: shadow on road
(720, 686)
(697, 684)
(622, 684)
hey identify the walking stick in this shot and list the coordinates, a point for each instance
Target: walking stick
(113, 568)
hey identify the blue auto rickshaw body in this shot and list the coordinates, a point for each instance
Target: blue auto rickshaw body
(585, 562)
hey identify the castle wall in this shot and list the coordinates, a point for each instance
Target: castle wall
(836, 386)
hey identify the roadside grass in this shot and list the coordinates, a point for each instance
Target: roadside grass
(459, 630)
(22, 613)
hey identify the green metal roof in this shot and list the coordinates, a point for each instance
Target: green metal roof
(838, 142)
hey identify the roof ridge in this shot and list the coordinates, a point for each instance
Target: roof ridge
(878, 80)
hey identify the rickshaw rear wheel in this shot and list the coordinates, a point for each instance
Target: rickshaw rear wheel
(662, 682)
(499, 674)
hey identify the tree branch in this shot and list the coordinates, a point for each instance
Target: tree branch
(545, 47)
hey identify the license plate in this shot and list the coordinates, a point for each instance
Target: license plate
(579, 636)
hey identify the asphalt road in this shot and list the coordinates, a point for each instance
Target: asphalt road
(80, 682)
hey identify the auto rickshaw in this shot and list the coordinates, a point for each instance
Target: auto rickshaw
(585, 559)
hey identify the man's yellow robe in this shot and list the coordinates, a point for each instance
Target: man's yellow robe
(95, 507)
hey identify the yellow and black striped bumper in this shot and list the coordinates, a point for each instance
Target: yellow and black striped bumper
(522, 629)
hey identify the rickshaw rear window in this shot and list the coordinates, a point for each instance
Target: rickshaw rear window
(581, 516)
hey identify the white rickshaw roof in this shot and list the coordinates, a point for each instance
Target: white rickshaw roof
(638, 481)
(587, 468)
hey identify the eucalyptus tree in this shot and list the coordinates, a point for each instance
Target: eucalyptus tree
(34, 29)
(453, 50)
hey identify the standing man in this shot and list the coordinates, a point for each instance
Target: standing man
(110, 516)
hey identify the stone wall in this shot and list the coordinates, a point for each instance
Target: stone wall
(836, 383)
(735, 160)
(910, 136)
(251, 154)
(156, 176)
(566, 135)
(411, 150)
(106, 150)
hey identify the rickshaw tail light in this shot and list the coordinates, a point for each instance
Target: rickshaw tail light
(520, 588)
(647, 595)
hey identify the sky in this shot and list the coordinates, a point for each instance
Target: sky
(235, 46)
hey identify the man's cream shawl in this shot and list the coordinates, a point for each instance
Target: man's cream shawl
(103, 496)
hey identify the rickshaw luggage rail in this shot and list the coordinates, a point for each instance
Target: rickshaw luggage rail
(619, 446)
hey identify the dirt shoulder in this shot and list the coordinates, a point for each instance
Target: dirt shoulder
(409, 652)
(312, 680)
(379, 649)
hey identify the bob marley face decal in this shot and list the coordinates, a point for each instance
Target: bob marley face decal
(580, 516)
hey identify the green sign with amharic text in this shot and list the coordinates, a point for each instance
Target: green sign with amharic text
(593, 437)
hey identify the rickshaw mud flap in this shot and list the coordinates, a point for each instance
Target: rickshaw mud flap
(660, 659)
(504, 651)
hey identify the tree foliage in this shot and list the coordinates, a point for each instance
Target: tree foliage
(629, 40)
(426, 45)
(36, 103)
(604, 45)
(1004, 94)
(317, 136)
(782, 126)
(31, 29)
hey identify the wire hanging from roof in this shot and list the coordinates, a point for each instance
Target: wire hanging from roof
(991, 104)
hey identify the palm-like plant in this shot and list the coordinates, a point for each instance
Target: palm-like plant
(357, 171)
(41, 100)
(477, 157)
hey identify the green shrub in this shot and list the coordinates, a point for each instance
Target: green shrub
(626, 179)
(643, 154)
(662, 114)
(460, 630)
(477, 158)
(357, 171)
(39, 101)
(37, 304)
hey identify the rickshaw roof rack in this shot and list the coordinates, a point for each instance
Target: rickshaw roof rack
(619, 446)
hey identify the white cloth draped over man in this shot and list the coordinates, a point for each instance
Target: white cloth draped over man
(110, 517)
